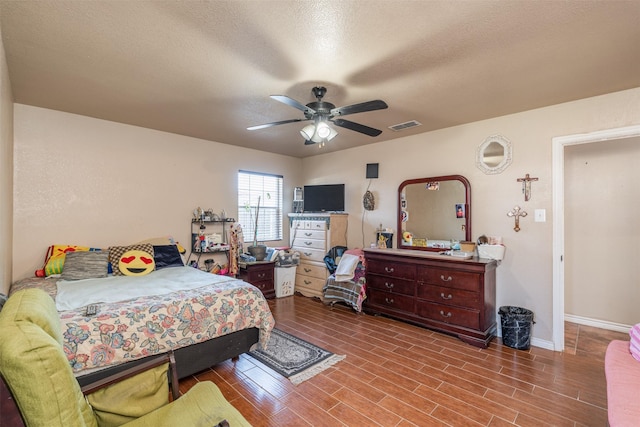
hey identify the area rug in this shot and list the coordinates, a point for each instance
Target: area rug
(294, 358)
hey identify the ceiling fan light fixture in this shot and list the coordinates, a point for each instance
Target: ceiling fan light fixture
(323, 130)
(308, 132)
(332, 134)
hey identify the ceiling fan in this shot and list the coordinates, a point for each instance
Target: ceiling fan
(322, 112)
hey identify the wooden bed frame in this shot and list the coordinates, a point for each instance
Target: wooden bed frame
(193, 358)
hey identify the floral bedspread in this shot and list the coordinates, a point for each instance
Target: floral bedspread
(144, 326)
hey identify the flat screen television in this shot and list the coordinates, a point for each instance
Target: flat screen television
(324, 198)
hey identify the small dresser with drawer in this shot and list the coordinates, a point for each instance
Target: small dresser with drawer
(447, 294)
(313, 235)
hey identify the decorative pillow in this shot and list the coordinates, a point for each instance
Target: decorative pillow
(55, 261)
(134, 260)
(634, 345)
(85, 265)
(167, 256)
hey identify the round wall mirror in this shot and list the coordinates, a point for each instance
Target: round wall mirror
(494, 154)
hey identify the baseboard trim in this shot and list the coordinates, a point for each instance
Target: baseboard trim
(596, 323)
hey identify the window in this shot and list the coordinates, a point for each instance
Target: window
(254, 186)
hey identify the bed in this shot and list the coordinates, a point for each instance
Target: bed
(204, 318)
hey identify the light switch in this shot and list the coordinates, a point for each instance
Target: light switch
(540, 215)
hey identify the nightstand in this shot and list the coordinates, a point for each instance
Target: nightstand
(259, 274)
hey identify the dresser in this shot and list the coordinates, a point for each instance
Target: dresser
(312, 235)
(447, 294)
(259, 274)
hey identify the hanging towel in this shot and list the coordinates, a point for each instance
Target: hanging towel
(347, 267)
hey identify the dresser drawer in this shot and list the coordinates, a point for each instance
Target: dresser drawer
(449, 278)
(389, 268)
(313, 270)
(309, 282)
(448, 314)
(310, 254)
(258, 275)
(306, 242)
(311, 234)
(389, 300)
(450, 296)
(316, 225)
(265, 286)
(391, 284)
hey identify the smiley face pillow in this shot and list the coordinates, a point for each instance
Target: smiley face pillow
(134, 260)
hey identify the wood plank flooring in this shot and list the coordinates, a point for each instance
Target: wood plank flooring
(397, 374)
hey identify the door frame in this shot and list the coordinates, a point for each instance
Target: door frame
(558, 145)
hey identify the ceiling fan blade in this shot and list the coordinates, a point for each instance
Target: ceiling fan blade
(359, 108)
(356, 127)
(293, 103)
(309, 142)
(268, 125)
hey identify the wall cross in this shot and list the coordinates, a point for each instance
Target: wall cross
(516, 212)
(526, 186)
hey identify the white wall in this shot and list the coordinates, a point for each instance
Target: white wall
(602, 199)
(6, 174)
(525, 275)
(89, 182)
(85, 181)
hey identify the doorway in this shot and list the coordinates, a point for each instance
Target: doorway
(558, 163)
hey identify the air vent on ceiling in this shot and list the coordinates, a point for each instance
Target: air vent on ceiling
(405, 125)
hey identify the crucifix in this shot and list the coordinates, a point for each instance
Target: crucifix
(516, 212)
(526, 186)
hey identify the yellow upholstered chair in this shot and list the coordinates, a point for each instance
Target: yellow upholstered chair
(40, 380)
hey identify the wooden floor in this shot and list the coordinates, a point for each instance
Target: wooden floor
(396, 374)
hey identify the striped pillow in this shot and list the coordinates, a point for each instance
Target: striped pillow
(85, 265)
(634, 345)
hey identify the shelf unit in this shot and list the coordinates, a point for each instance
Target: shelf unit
(214, 233)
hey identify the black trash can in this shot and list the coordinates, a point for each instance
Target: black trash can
(516, 326)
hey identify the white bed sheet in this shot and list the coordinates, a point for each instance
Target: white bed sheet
(73, 294)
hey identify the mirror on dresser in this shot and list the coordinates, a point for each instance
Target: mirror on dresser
(434, 211)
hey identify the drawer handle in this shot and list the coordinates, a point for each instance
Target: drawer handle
(445, 315)
(307, 270)
(389, 269)
(261, 275)
(445, 297)
(308, 234)
(307, 282)
(308, 243)
(261, 286)
(308, 253)
(448, 279)
(389, 301)
(388, 285)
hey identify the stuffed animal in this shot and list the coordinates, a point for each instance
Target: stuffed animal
(407, 238)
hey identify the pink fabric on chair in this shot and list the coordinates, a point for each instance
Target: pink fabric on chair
(623, 385)
(634, 345)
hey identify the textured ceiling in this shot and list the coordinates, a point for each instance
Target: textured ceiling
(206, 69)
